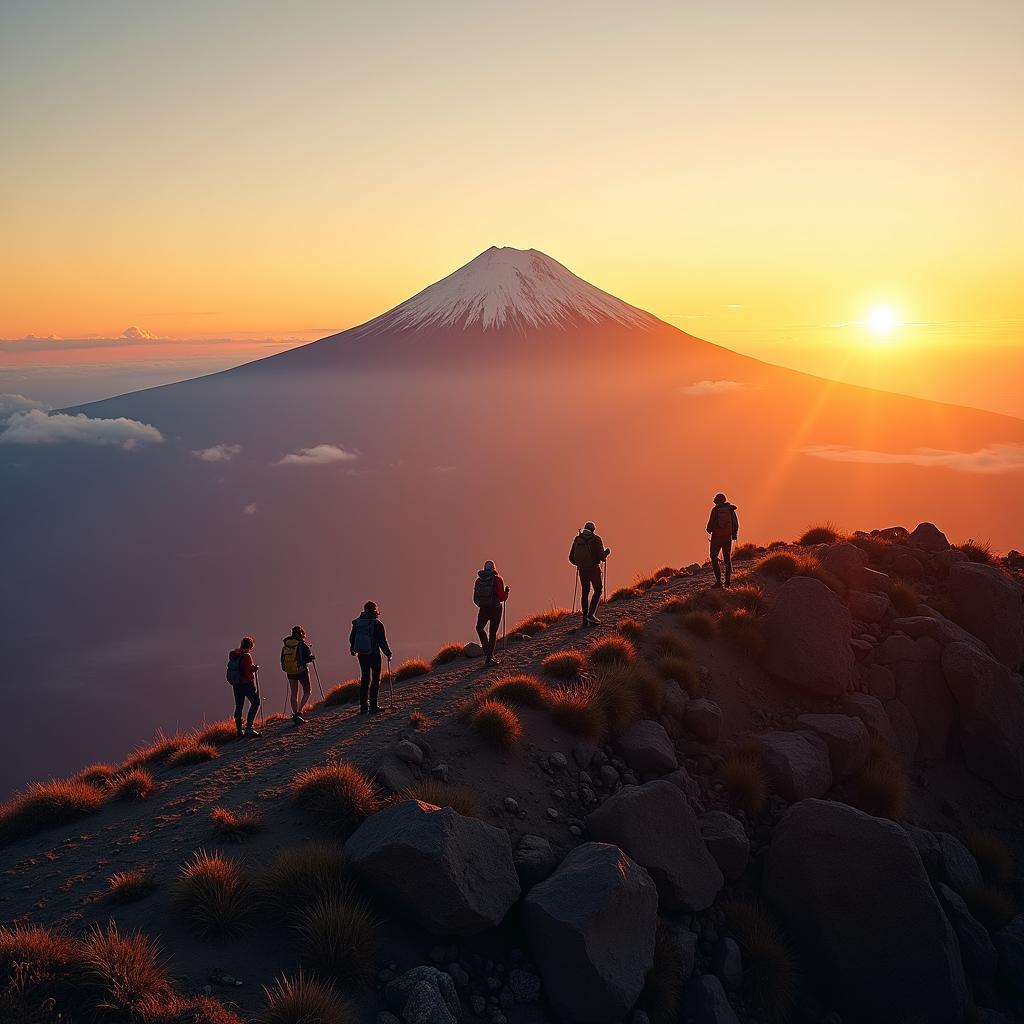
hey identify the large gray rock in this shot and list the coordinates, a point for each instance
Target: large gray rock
(796, 764)
(855, 896)
(904, 727)
(1009, 942)
(646, 747)
(880, 681)
(938, 627)
(424, 995)
(990, 700)
(727, 842)
(928, 537)
(703, 719)
(946, 859)
(452, 873)
(922, 689)
(976, 949)
(846, 737)
(535, 858)
(846, 562)
(808, 630)
(705, 1002)
(865, 607)
(655, 825)
(871, 711)
(987, 603)
(591, 927)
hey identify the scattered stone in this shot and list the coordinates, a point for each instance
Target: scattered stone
(558, 760)
(987, 603)
(865, 607)
(646, 747)
(458, 974)
(705, 1002)
(463, 880)
(703, 718)
(727, 843)
(591, 926)
(846, 738)
(609, 776)
(871, 712)
(928, 537)
(976, 948)
(525, 985)
(534, 860)
(728, 964)
(472, 650)
(552, 813)
(796, 763)
(409, 752)
(424, 995)
(511, 804)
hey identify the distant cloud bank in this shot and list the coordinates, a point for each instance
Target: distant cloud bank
(36, 426)
(218, 453)
(11, 405)
(711, 387)
(319, 455)
(995, 458)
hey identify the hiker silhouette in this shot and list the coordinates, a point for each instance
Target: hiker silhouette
(489, 595)
(723, 526)
(366, 642)
(587, 552)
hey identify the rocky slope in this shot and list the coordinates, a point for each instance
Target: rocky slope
(807, 806)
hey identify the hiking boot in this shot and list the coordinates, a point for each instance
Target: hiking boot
(238, 731)
(491, 663)
(376, 711)
(250, 732)
(298, 719)
(362, 711)
(594, 620)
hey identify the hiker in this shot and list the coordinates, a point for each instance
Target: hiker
(723, 527)
(296, 657)
(489, 595)
(587, 552)
(366, 641)
(242, 671)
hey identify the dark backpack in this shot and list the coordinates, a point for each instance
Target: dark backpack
(362, 639)
(483, 591)
(721, 521)
(234, 672)
(583, 553)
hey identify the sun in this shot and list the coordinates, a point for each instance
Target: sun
(883, 320)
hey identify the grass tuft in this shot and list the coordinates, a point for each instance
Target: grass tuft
(300, 876)
(745, 552)
(194, 753)
(339, 795)
(632, 630)
(176, 1009)
(681, 670)
(343, 693)
(218, 734)
(442, 794)
(744, 631)
(339, 939)
(821, 533)
(305, 1000)
(411, 669)
(214, 896)
(98, 775)
(135, 784)
(540, 621)
(979, 551)
(121, 971)
(700, 623)
(234, 826)
(497, 724)
(904, 598)
(447, 654)
(770, 968)
(882, 789)
(744, 777)
(666, 642)
(130, 886)
(517, 691)
(994, 857)
(749, 596)
(33, 957)
(622, 593)
(564, 664)
(780, 566)
(574, 709)
(46, 804)
(613, 650)
(157, 752)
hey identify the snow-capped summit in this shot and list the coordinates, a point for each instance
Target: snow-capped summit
(505, 287)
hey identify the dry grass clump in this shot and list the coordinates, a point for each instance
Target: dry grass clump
(639, 680)
(978, 551)
(712, 599)
(992, 905)
(411, 669)
(446, 655)
(304, 1000)
(994, 857)
(613, 650)
(218, 734)
(234, 826)
(632, 629)
(564, 664)
(542, 620)
(516, 691)
(340, 795)
(177, 1009)
(574, 709)
(130, 886)
(744, 631)
(904, 598)
(744, 552)
(121, 971)
(135, 784)
(642, 583)
(821, 533)
(157, 752)
(45, 804)
(442, 794)
(194, 753)
(770, 968)
(497, 724)
(700, 623)
(98, 775)
(670, 666)
(882, 789)
(300, 876)
(418, 720)
(622, 593)
(875, 548)
(339, 939)
(665, 642)
(214, 895)
(749, 596)
(33, 957)
(744, 777)
(779, 566)
(343, 693)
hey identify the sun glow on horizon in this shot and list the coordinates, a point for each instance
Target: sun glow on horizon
(882, 321)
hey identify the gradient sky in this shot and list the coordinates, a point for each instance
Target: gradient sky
(760, 175)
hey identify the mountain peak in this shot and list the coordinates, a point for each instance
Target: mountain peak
(506, 287)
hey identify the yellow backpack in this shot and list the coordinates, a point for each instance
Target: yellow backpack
(290, 657)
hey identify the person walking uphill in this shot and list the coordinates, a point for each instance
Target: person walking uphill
(241, 674)
(489, 595)
(366, 641)
(296, 657)
(723, 527)
(587, 553)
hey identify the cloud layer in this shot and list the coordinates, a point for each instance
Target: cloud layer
(39, 427)
(995, 458)
(11, 405)
(218, 453)
(318, 455)
(711, 387)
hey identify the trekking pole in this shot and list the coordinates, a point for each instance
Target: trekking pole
(317, 674)
(575, 587)
(391, 685)
(259, 698)
(504, 626)
(284, 707)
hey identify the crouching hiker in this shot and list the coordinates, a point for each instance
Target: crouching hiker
(587, 552)
(366, 642)
(242, 675)
(724, 528)
(296, 657)
(489, 595)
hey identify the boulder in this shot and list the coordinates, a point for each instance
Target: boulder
(655, 825)
(424, 995)
(808, 631)
(871, 711)
(705, 1002)
(686, 782)
(942, 630)
(1009, 943)
(946, 859)
(796, 764)
(865, 607)
(990, 700)
(727, 842)
(680, 945)
(535, 859)
(856, 898)
(943, 561)
(392, 773)
(703, 719)
(591, 927)
(976, 949)
(452, 873)
(880, 681)
(903, 727)
(846, 562)
(409, 752)
(646, 747)
(846, 737)
(875, 582)
(675, 700)
(907, 563)
(472, 650)
(928, 537)
(987, 603)
(728, 964)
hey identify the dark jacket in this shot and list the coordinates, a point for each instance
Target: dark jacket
(597, 547)
(718, 530)
(246, 665)
(498, 589)
(378, 638)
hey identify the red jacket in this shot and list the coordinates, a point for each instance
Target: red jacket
(246, 665)
(500, 590)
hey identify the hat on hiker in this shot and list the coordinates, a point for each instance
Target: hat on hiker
(488, 566)
(589, 526)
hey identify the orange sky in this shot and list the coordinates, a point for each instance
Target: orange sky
(754, 175)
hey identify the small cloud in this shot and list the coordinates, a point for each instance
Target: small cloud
(442, 469)
(250, 510)
(218, 453)
(39, 427)
(734, 305)
(318, 455)
(995, 458)
(137, 334)
(11, 405)
(711, 387)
